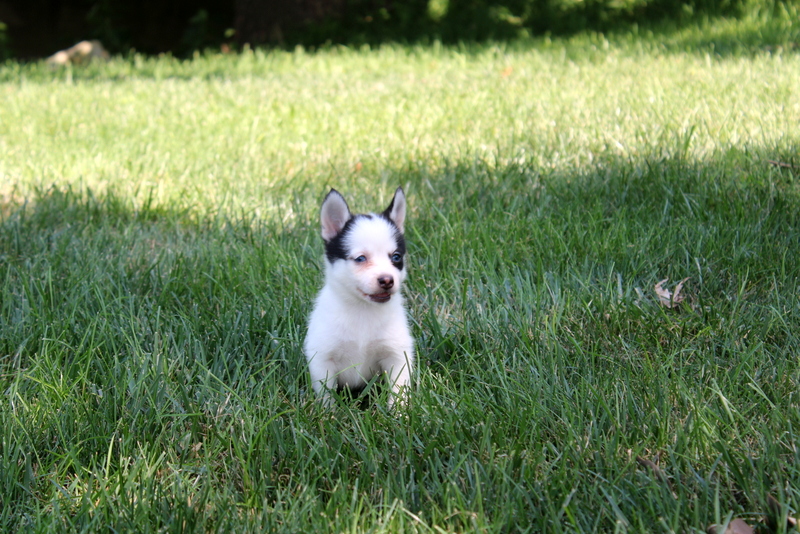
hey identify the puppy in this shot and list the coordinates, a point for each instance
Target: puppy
(358, 327)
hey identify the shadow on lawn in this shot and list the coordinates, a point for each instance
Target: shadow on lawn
(515, 237)
(537, 219)
(476, 184)
(76, 262)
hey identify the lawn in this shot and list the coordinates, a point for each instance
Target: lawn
(160, 249)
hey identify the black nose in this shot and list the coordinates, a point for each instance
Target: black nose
(386, 282)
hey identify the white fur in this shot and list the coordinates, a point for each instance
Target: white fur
(351, 336)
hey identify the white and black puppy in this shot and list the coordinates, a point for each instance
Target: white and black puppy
(358, 328)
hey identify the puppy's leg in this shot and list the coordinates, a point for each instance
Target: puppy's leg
(399, 370)
(323, 379)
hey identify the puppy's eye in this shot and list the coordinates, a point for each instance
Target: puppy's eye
(360, 259)
(396, 257)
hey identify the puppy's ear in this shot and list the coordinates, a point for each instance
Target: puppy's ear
(333, 215)
(397, 209)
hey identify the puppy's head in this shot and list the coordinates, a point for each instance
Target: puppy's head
(365, 253)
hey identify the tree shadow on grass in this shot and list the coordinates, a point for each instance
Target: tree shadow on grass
(247, 284)
(669, 189)
(80, 266)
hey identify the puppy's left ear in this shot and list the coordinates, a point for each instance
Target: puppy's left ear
(396, 211)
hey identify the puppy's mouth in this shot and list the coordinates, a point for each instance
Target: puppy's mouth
(379, 297)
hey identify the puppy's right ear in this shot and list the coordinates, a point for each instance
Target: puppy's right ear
(334, 214)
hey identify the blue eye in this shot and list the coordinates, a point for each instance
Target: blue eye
(360, 259)
(396, 257)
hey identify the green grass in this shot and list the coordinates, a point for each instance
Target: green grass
(159, 251)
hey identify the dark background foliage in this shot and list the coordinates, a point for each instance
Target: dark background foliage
(37, 28)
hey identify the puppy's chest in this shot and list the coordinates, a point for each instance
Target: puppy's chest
(361, 324)
(346, 352)
(357, 333)
(365, 340)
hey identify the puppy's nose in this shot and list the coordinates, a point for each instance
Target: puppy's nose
(386, 282)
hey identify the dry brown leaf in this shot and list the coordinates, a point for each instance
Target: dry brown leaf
(644, 462)
(667, 298)
(781, 164)
(659, 474)
(737, 526)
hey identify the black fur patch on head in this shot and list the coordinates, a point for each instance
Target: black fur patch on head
(334, 248)
(398, 237)
(401, 249)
